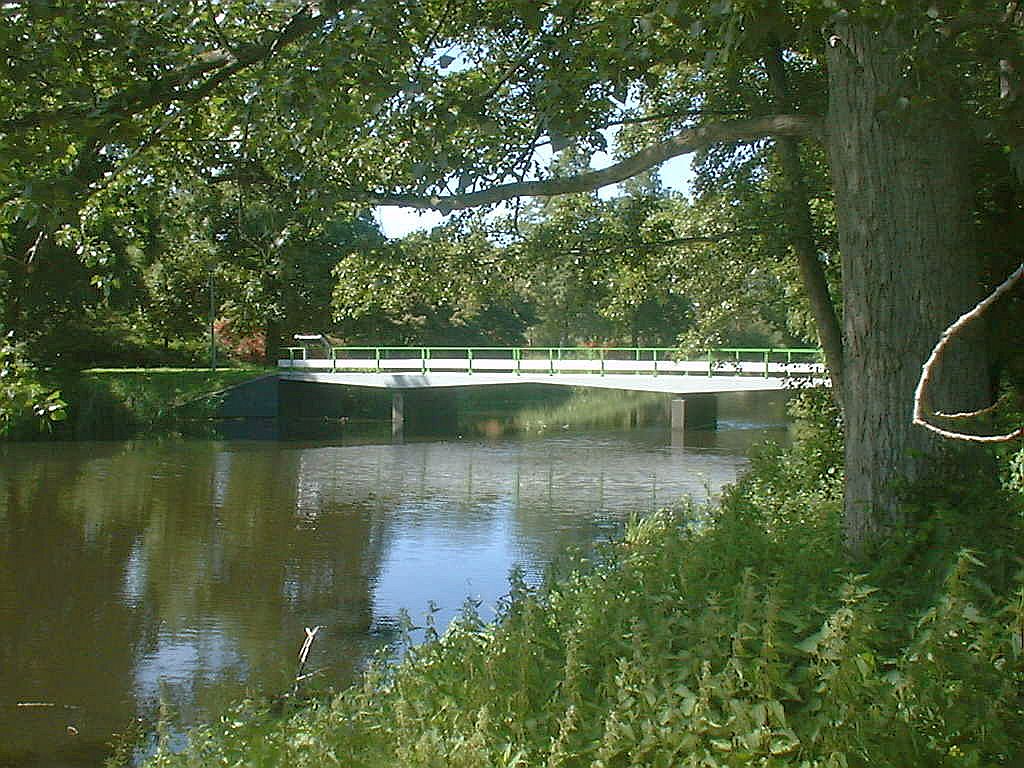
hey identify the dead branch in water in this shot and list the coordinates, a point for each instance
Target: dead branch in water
(307, 644)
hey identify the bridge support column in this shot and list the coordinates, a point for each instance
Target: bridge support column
(699, 412)
(397, 415)
(678, 416)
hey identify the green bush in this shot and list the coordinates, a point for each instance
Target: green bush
(27, 404)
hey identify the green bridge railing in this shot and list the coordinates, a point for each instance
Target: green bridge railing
(764, 361)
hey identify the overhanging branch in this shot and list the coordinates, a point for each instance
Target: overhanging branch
(923, 411)
(682, 143)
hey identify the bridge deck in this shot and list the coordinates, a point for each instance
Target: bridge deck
(639, 382)
(729, 370)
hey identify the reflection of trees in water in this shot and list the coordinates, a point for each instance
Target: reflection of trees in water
(581, 408)
(269, 558)
(186, 564)
(574, 492)
(555, 492)
(65, 637)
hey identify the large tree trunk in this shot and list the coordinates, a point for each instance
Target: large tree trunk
(910, 267)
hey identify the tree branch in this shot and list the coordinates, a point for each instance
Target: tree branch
(801, 233)
(217, 64)
(682, 143)
(699, 239)
(673, 115)
(516, 64)
(672, 242)
(922, 411)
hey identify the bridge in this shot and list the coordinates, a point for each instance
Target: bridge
(647, 369)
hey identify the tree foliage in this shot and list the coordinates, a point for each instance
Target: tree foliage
(293, 108)
(24, 398)
(448, 287)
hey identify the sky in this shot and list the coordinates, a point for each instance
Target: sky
(397, 222)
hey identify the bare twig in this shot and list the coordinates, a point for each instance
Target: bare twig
(969, 414)
(33, 251)
(922, 412)
(307, 644)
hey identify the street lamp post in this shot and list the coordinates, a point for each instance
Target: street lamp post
(213, 336)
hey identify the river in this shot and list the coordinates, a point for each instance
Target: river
(185, 571)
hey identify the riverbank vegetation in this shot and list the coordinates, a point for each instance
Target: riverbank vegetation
(120, 403)
(29, 401)
(739, 635)
(105, 403)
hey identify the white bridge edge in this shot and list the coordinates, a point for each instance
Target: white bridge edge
(667, 383)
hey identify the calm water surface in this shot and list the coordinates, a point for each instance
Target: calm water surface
(185, 572)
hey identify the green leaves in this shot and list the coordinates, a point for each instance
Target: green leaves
(447, 287)
(51, 408)
(22, 393)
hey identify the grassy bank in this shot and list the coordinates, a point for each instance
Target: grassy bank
(121, 402)
(738, 636)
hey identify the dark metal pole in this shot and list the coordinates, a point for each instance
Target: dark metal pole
(213, 337)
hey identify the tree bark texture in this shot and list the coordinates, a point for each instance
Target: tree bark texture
(910, 266)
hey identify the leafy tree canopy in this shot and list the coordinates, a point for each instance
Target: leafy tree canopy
(445, 104)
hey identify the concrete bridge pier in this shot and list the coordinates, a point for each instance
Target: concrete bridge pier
(700, 412)
(397, 415)
(423, 412)
(678, 411)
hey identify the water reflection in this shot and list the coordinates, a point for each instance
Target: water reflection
(135, 571)
(188, 569)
